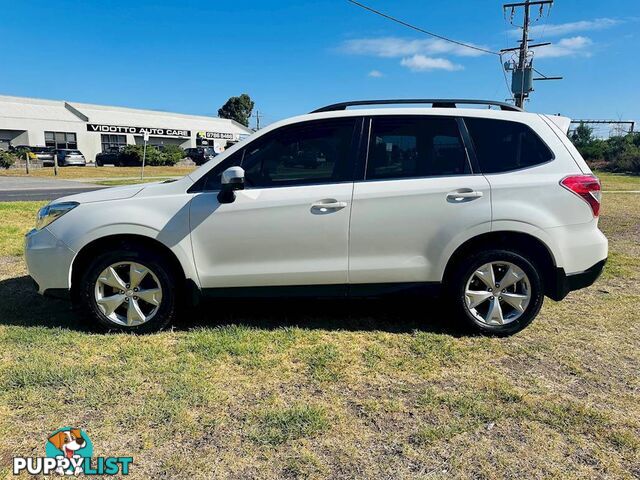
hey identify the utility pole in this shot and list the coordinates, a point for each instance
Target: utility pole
(522, 71)
(524, 49)
(257, 117)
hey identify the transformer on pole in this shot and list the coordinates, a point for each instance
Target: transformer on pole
(522, 67)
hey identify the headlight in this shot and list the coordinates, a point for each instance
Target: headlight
(53, 211)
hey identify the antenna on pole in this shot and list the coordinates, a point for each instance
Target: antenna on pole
(522, 69)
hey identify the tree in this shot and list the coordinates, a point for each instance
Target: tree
(238, 109)
(582, 135)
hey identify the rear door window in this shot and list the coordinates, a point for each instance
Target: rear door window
(408, 146)
(502, 145)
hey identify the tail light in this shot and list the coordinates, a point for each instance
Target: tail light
(586, 187)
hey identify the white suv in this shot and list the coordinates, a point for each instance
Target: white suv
(496, 206)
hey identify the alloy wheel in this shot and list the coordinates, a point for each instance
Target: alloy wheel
(128, 293)
(497, 293)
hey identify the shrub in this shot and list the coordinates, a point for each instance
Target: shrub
(6, 159)
(168, 155)
(131, 154)
(615, 154)
(173, 154)
(154, 157)
(628, 160)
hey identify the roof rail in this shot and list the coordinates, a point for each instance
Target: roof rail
(435, 103)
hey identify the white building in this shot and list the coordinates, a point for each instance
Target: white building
(95, 128)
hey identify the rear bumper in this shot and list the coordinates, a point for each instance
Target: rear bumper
(575, 281)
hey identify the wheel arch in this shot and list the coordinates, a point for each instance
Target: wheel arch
(525, 244)
(130, 241)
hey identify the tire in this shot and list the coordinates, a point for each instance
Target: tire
(158, 309)
(484, 316)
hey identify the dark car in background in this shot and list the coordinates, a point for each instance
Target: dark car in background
(200, 155)
(70, 158)
(110, 156)
(44, 154)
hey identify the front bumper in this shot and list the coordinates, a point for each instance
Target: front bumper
(567, 283)
(48, 260)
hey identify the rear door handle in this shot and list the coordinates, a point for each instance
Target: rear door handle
(465, 195)
(328, 205)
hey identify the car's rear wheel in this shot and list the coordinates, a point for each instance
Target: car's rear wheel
(497, 292)
(129, 291)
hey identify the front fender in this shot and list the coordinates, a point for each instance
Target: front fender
(180, 249)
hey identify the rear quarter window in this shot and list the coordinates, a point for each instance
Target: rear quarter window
(502, 145)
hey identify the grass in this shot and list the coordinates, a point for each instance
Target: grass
(617, 181)
(275, 426)
(332, 389)
(17, 219)
(89, 172)
(130, 181)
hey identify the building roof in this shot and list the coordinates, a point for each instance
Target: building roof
(31, 108)
(60, 110)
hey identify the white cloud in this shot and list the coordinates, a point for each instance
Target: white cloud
(421, 63)
(557, 30)
(391, 47)
(375, 74)
(567, 47)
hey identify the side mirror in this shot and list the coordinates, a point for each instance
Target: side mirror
(232, 180)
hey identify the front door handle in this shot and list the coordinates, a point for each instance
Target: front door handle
(463, 195)
(328, 205)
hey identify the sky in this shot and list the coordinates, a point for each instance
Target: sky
(294, 56)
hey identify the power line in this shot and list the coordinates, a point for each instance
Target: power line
(441, 37)
(421, 30)
(506, 81)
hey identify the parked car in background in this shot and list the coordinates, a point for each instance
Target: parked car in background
(110, 156)
(70, 158)
(200, 155)
(44, 154)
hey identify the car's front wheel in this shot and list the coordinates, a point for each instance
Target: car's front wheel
(497, 292)
(129, 291)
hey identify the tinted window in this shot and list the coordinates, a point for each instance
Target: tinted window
(302, 154)
(312, 152)
(501, 145)
(412, 146)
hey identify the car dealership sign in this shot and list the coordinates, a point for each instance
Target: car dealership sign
(161, 132)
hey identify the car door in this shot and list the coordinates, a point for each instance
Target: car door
(290, 225)
(419, 199)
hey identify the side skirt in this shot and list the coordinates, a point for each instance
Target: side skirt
(328, 291)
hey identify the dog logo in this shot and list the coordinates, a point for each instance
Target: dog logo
(69, 451)
(70, 443)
